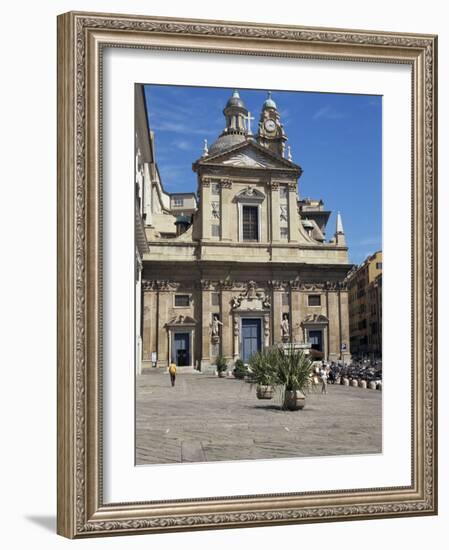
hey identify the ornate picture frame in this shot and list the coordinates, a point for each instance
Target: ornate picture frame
(82, 38)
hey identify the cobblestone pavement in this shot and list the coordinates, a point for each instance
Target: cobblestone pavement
(205, 418)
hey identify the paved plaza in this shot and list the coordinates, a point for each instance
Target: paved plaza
(205, 418)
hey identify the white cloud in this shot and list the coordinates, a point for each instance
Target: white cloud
(328, 112)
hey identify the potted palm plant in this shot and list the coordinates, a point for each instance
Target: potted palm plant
(262, 372)
(221, 366)
(293, 373)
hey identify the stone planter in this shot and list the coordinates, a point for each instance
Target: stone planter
(345, 381)
(362, 384)
(294, 400)
(372, 385)
(264, 392)
(354, 383)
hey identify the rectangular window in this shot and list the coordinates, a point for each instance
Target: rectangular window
(178, 201)
(283, 192)
(284, 233)
(285, 299)
(215, 299)
(182, 300)
(215, 188)
(379, 265)
(314, 300)
(215, 230)
(250, 223)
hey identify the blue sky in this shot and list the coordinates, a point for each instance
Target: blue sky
(335, 138)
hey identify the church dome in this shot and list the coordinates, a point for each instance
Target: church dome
(226, 141)
(269, 103)
(235, 101)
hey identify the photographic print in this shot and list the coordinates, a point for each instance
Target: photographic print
(227, 195)
(258, 274)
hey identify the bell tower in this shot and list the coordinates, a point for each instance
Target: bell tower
(271, 132)
(236, 115)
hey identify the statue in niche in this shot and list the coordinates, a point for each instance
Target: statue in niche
(285, 327)
(216, 323)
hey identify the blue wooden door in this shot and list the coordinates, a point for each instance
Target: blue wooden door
(182, 349)
(316, 339)
(251, 338)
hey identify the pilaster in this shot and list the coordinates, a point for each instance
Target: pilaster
(275, 213)
(226, 209)
(226, 329)
(205, 210)
(293, 216)
(206, 318)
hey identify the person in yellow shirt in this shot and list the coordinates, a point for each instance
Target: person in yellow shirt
(172, 372)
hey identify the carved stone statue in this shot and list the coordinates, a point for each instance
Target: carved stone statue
(216, 326)
(285, 326)
(235, 302)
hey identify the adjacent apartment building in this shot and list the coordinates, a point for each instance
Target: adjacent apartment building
(365, 308)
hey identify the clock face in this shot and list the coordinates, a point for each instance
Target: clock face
(270, 125)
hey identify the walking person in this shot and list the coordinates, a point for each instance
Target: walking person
(172, 372)
(323, 381)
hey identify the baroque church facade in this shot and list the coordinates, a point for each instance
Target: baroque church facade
(241, 265)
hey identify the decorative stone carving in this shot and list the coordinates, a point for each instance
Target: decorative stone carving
(226, 183)
(149, 285)
(266, 326)
(277, 285)
(215, 207)
(206, 284)
(312, 286)
(283, 213)
(295, 284)
(205, 182)
(250, 193)
(251, 299)
(236, 328)
(335, 285)
(167, 286)
(183, 320)
(315, 318)
(226, 284)
(274, 185)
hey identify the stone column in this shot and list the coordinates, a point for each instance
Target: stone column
(163, 298)
(293, 216)
(149, 328)
(226, 217)
(205, 209)
(296, 313)
(236, 336)
(226, 319)
(344, 325)
(206, 318)
(334, 325)
(266, 330)
(275, 213)
(276, 312)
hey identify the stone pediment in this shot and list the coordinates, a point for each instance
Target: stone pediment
(316, 318)
(250, 155)
(251, 300)
(181, 321)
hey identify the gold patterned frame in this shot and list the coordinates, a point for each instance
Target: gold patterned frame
(81, 38)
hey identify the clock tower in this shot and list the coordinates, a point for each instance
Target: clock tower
(271, 132)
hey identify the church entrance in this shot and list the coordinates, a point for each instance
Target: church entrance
(251, 338)
(182, 349)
